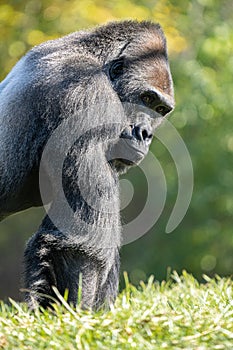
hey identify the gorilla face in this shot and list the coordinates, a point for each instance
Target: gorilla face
(142, 80)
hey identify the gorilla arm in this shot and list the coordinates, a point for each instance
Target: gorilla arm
(44, 88)
(19, 135)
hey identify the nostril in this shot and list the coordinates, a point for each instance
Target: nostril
(141, 133)
(146, 135)
(137, 133)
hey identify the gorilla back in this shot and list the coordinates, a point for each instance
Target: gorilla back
(119, 70)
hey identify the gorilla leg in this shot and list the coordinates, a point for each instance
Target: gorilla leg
(52, 260)
(107, 289)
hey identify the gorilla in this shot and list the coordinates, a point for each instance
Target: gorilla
(75, 113)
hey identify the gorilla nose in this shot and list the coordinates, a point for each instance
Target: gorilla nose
(157, 102)
(142, 132)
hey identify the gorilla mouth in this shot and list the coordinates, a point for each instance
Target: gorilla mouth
(140, 148)
(129, 151)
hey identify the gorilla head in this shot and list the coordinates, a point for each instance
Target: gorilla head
(112, 87)
(139, 73)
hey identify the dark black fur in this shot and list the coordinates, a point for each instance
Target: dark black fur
(120, 62)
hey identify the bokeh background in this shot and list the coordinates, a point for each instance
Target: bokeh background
(200, 42)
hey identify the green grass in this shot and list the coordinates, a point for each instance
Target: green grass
(177, 314)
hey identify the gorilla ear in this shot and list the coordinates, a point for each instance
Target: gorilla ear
(116, 68)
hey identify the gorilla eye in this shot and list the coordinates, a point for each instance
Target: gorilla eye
(163, 110)
(116, 69)
(148, 99)
(156, 102)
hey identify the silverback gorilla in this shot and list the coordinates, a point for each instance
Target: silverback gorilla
(113, 85)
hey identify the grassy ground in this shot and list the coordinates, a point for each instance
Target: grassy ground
(178, 314)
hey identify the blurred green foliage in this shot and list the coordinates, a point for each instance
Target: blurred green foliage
(200, 42)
